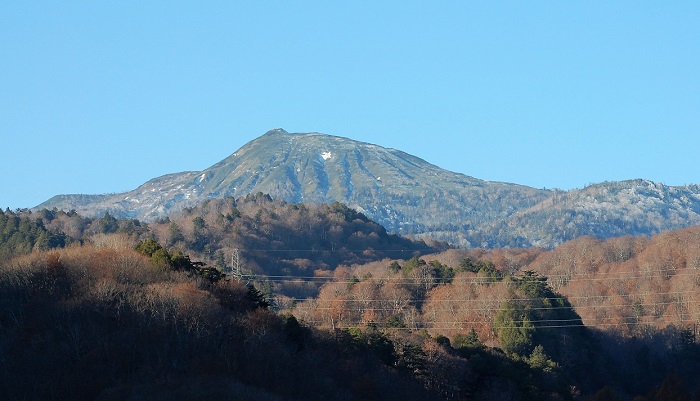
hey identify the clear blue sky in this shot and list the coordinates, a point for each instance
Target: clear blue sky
(100, 96)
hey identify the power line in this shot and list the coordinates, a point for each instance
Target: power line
(337, 250)
(562, 298)
(454, 325)
(464, 280)
(543, 308)
(355, 305)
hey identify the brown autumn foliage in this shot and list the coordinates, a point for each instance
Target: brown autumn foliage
(644, 288)
(629, 284)
(637, 296)
(378, 295)
(100, 321)
(255, 234)
(373, 293)
(275, 238)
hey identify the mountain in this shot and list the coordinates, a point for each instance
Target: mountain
(402, 192)
(605, 210)
(405, 194)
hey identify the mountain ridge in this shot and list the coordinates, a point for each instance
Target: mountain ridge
(608, 209)
(404, 193)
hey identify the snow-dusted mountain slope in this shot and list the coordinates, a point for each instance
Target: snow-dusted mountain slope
(405, 194)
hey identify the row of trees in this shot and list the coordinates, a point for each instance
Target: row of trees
(24, 231)
(21, 235)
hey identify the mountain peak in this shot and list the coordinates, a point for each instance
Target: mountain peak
(405, 194)
(276, 131)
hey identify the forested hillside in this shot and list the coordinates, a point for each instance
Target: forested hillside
(163, 310)
(631, 284)
(625, 308)
(270, 238)
(255, 234)
(104, 322)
